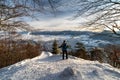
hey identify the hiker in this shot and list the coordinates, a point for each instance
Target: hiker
(64, 47)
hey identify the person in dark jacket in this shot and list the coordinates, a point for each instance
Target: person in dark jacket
(64, 47)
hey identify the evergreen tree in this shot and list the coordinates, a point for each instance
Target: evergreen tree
(55, 49)
(80, 50)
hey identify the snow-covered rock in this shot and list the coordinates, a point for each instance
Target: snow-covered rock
(52, 67)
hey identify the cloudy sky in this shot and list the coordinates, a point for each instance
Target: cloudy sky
(62, 18)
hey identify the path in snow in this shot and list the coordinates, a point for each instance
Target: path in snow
(50, 67)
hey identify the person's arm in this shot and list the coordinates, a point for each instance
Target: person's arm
(60, 46)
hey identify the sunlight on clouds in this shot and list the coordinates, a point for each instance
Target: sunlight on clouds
(56, 24)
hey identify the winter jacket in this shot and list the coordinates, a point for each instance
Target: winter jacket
(64, 47)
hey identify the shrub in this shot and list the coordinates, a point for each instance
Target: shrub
(15, 51)
(80, 50)
(113, 53)
(97, 54)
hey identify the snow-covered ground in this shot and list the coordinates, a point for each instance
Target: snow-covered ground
(51, 67)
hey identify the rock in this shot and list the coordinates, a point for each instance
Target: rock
(70, 74)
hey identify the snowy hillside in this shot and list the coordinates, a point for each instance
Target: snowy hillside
(50, 67)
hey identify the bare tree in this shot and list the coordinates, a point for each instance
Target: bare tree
(106, 13)
(11, 10)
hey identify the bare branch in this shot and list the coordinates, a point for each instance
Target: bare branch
(10, 10)
(107, 11)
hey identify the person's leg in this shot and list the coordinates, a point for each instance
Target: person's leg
(63, 55)
(66, 54)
